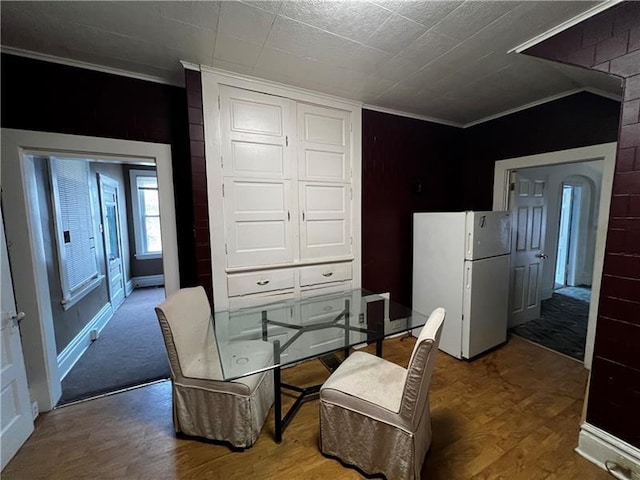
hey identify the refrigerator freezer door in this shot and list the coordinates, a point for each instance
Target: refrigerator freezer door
(488, 235)
(485, 305)
(438, 272)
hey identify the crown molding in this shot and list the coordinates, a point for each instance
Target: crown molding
(415, 116)
(542, 101)
(86, 65)
(601, 7)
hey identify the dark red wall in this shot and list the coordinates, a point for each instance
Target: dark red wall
(193, 82)
(407, 166)
(610, 42)
(575, 121)
(57, 98)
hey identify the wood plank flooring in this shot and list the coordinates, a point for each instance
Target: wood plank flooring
(511, 414)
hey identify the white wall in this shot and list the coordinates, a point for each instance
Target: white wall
(589, 175)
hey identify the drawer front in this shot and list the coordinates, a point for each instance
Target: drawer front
(332, 272)
(248, 283)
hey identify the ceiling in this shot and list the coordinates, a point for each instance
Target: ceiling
(445, 60)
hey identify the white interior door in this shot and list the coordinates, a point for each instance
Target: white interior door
(255, 130)
(323, 144)
(258, 222)
(325, 230)
(15, 410)
(529, 219)
(110, 212)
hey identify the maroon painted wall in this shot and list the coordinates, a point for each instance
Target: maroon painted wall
(193, 82)
(575, 121)
(610, 42)
(407, 166)
(57, 98)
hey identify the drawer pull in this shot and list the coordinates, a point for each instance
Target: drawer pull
(328, 274)
(262, 282)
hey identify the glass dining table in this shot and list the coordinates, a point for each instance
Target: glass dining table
(275, 335)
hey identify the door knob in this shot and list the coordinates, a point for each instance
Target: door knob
(542, 256)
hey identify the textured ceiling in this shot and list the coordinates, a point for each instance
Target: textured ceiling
(442, 59)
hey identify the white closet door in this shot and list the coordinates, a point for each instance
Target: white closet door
(255, 130)
(258, 222)
(325, 229)
(324, 144)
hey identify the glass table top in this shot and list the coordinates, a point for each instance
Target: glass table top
(255, 339)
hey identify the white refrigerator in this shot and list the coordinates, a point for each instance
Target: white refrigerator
(461, 263)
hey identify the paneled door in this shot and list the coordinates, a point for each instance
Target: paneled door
(256, 164)
(110, 212)
(325, 230)
(258, 222)
(528, 223)
(324, 189)
(323, 144)
(255, 131)
(15, 410)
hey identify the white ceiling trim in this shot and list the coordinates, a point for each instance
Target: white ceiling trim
(565, 25)
(602, 93)
(190, 66)
(86, 65)
(399, 113)
(200, 68)
(541, 102)
(269, 83)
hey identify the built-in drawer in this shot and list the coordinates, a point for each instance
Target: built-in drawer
(331, 272)
(257, 282)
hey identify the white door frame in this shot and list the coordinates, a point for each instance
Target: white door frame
(605, 152)
(24, 233)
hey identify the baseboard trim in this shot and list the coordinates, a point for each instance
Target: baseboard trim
(76, 348)
(128, 288)
(599, 447)
(148, 281)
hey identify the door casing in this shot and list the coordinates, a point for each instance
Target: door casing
(24, 233)
(605, 152)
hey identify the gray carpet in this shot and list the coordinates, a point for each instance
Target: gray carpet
(579, 293)
(562, 326)
(130, 351)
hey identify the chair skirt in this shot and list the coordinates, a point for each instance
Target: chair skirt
(201, 411)
(373, 446)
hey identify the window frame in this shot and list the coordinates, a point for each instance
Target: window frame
(138, 215)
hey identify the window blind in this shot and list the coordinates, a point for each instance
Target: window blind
(75, 224)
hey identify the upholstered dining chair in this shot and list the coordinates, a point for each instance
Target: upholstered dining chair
(375, 414)
(203, 404)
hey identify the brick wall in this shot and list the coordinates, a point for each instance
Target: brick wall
(610, 42)
(193, 82)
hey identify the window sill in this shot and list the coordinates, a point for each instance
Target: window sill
(147, 256)
(79, 294)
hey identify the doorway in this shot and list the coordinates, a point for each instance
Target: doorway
(25, 237)
(112, 237)
(569, 159)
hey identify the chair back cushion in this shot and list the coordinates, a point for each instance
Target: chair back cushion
(187, 328)
(416, 389)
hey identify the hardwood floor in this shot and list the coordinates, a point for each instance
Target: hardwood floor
(512, 414)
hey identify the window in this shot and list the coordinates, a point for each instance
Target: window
(146, 213)
(75, 233)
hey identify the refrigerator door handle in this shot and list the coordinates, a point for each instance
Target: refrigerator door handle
(469, 242)
(468, 280)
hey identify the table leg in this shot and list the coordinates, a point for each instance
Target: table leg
(380, 338)
(264, 325)
(347, 306)
(277, 401)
